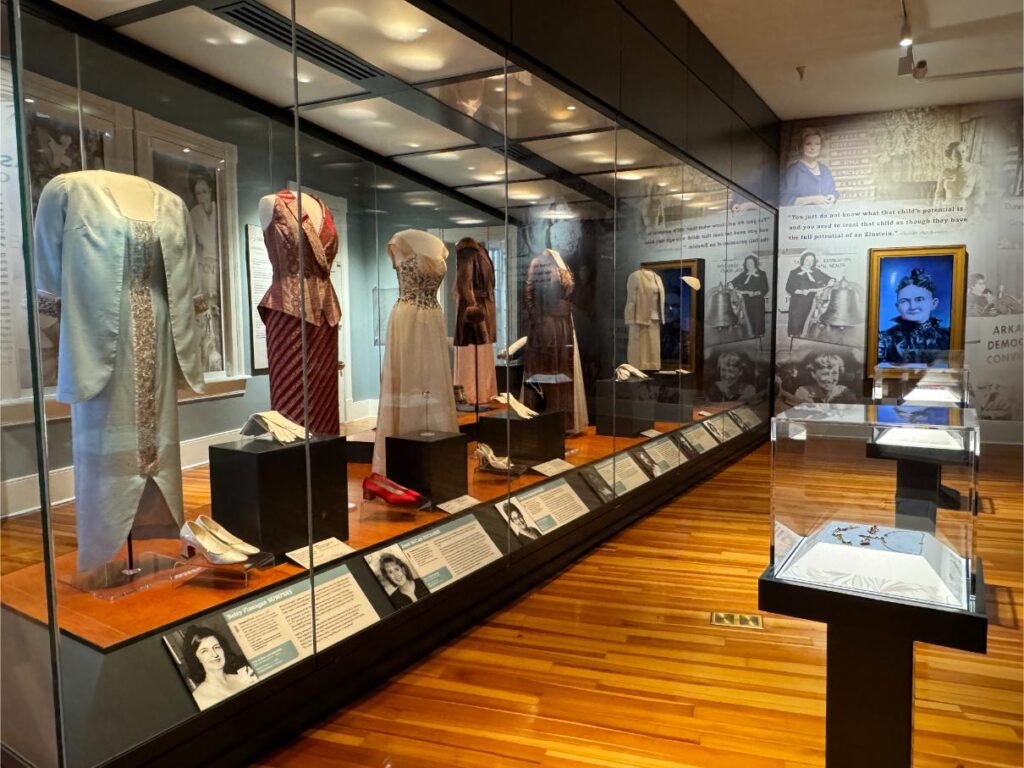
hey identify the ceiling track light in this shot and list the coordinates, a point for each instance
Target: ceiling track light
(906, 37)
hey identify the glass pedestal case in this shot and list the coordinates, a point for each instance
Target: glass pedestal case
(873, 512)
(913, 385)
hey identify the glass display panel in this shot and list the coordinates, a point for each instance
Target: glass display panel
(908, 535)
(409, 270)
(919, 385)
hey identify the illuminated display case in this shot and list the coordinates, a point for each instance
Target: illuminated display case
(909, 538)
(402, 321)
(947, 387)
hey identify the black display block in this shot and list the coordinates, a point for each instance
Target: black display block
(541, 438)
(432, 464)
(869, 688)
(624, 408)
(258, 491)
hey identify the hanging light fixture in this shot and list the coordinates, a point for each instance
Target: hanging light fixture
(906, 37)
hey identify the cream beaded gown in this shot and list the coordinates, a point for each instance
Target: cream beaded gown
(416, 380)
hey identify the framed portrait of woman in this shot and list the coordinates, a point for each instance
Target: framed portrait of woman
(202, 172)
(916, 304)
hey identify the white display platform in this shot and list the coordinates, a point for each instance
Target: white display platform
(889, 562)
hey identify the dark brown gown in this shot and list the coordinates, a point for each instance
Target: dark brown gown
(549, 357)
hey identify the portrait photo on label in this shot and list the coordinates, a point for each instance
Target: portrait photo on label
(209, 660)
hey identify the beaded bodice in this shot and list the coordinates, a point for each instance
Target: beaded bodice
(416, 286)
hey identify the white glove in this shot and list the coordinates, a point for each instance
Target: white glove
(281, 429)
(520, 410)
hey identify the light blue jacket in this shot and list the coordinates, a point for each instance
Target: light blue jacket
(80, 245)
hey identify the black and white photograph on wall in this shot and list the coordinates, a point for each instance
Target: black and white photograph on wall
(821, 374)
(397, 576)
(519, 521)
(730, 375)
(197, 185)
(209, 660)
(916, 306)
(57, 146)
(823, 300)
(752, 285)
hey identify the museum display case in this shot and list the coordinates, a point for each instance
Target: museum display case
(917, 385)
(911, 537)
(334, 328)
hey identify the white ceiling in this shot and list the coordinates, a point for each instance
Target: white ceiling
(850, 51)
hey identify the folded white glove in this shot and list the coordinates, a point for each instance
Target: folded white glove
(520, 410)
(281, 429)
(509, 352)
(625, 372)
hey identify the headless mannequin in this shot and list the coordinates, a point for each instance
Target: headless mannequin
(310, 208)
(414, 242)
(134, 196)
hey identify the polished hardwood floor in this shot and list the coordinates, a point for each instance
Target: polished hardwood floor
(614, 662)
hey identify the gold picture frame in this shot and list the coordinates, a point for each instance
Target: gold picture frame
(947, 268)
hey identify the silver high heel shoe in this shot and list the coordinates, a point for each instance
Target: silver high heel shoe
(197, 540)
(222, 533)
(485, 456)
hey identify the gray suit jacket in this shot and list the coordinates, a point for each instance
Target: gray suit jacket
(80, 243)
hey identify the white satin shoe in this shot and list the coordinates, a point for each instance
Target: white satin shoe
(222, 533)
(485, 455)
(197, 540)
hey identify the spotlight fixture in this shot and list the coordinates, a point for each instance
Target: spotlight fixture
(906, 37)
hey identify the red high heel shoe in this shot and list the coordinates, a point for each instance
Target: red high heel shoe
(376, 485)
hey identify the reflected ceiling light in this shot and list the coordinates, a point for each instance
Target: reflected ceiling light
(626, 161)
(499, 88)
(318, 154)
(30, 101)
(467, 222)
(604, 159)
(385, 124)
(42, 116)
(423, 203)
(513, 110)
(556, 215)
(419, 61)
(674, 189)
(356, 113)
(186, 150)
(527, 196)
(384, 185)
(305, 78)
(402, 30)
(238, 37)
(630, 176)
(343, 17)
(662, 183)
(470, 167)
(581, 137)
(212, 40)
(375, 210)
(688, 195)
(413, 145)
(571, 108)
(484, 178)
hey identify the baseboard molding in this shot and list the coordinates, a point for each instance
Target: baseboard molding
(360, 409)
(20, 495)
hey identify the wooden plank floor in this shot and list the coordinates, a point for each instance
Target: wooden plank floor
(614, 663)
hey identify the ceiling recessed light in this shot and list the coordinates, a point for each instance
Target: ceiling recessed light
(384, 186)
(471, 168)
(421, 30)
(30, 101)
(571, 108)
(499, 88)
(212, 40)
(466, 222)
(305, 78)
(186, 150)
(412, 145)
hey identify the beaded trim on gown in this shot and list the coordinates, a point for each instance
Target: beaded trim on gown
(416, 380)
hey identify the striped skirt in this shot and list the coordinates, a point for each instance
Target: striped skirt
(284, 353)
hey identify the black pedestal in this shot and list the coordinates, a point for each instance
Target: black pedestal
(624, 408)
(258, 491)
(870, 683)
(541, 438)
(434, 465)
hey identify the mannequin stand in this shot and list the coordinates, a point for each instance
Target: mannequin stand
(123, 576)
